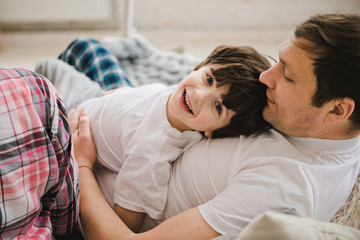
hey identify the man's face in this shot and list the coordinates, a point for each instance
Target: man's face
(291, 84)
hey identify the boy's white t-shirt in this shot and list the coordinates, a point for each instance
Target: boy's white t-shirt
(234, 180)
(134, 139)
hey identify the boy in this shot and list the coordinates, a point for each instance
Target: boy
(139, 131)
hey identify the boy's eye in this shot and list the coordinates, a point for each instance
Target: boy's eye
(209, 80)
(218, 107)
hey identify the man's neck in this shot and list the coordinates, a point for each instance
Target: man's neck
(339, 134)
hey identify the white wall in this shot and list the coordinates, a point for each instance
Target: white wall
(230, 14)
(172, 14)
(54, 10)
(57, 13)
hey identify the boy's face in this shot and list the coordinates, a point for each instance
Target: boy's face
(196, 104)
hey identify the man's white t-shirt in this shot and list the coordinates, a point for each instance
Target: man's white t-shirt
(234, 180)
(135, 141)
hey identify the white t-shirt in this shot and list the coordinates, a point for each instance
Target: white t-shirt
(235, 179)
(134, 139)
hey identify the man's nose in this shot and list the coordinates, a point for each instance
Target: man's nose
(269, 77)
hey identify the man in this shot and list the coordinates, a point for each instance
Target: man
(308, 164)
(38, 174)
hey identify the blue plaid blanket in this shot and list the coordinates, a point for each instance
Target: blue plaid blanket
(95, 61)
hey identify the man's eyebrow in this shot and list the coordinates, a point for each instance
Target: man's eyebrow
(290, 70)
(283, 62)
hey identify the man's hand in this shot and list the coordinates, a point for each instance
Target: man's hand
(115, 90)
(84, 147)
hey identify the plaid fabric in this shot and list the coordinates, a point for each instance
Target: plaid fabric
(38, 174)
(91, 58)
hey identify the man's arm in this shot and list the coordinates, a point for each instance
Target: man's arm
(132, 219)
(98, 219)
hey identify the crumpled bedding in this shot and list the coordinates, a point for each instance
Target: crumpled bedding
(145, 64)
(142, 62)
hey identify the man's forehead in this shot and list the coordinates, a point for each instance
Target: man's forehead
(286, 45)
(283, 56)
(296, 60)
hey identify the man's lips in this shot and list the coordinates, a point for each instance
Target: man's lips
(187, 102)
(269, 100)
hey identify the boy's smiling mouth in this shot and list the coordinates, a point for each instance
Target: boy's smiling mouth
(186, 102)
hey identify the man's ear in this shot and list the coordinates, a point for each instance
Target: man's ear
(208, 134)
(341, 110)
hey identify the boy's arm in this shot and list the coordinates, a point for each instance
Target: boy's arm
(132, 219)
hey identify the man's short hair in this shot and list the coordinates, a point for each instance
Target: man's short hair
(333, 41)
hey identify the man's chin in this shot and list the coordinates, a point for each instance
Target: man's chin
(266, 114)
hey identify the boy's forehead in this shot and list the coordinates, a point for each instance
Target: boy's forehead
(209, 69)
(206, 67)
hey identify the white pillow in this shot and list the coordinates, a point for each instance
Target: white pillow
(275, 226)
(349, 214)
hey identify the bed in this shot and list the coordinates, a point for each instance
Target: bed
(144, 64)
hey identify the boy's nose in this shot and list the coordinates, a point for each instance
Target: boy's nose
(202, 95)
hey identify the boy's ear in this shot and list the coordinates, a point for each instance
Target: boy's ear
(208, 134)
(342, 109)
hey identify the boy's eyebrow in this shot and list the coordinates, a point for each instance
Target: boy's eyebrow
(226, 113)
(211, 73)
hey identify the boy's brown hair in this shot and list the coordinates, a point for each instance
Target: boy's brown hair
(240, 68)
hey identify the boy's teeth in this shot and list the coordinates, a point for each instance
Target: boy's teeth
(187, 102)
